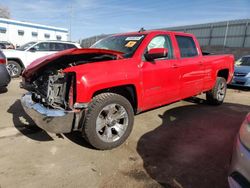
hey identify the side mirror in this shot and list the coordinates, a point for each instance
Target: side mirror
(156, 53)
(32, 49)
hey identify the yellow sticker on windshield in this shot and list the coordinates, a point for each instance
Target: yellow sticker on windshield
(130, 44)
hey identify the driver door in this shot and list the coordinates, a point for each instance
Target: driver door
(160, 77)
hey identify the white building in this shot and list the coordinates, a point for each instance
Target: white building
(20, 33)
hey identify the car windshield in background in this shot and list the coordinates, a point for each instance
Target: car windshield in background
(26, 46)
(244, 61)
(122, 43)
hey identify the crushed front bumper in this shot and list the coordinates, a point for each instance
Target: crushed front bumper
(51, 120)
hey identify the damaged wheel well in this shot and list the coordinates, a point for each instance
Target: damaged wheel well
(127, 91)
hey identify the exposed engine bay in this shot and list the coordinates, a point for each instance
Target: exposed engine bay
(52, 87)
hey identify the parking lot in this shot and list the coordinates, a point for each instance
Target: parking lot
(186, 144)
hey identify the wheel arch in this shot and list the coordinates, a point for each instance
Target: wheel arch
(127, 91)
(19, 61)
(224, 73)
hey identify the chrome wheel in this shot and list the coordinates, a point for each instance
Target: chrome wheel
(221, 92)
(13, 69)
(112, 123)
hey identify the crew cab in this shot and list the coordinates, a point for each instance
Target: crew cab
(99, 90)
(24, 55)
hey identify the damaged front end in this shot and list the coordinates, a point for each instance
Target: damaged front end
(50, 102)
(51, 98)
(51, 120)
(54, 90)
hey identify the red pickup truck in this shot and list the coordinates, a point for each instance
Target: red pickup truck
(98, 90)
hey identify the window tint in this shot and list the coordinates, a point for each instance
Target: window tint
(25, 46)
(43, 46)
(127, 44)
(162, 41)
(59, 46)
(245, 61)
(187, 46)
(69, 46)
(56, 46)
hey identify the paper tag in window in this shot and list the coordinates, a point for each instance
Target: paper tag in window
(130, 44)
(134, 38)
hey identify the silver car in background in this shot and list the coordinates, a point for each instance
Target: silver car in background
(239, 176)
(242, 72)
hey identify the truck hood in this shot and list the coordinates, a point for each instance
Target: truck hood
(242, 69)
(43, 61)
(11, 53)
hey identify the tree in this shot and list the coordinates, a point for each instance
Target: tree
(4, 12)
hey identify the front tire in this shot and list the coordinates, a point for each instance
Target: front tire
(14, 68)
(217, 95)
(109, 121)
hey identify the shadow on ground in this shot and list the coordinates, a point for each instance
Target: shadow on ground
(76, 137)
(239, 88)
(25, 125)
(192, 148)
(3, 90)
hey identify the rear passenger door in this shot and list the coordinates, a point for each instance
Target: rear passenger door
(191, 67)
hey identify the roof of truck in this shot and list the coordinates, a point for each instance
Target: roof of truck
(145, 32)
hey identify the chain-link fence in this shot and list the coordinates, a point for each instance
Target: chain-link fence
(86, 43)
(234, 33)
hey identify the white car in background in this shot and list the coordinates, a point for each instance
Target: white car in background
(21, 57)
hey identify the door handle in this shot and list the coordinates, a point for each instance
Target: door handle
(200, 63)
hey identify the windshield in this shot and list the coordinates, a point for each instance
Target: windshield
(26, 46)
(244, 61)
(123, 43)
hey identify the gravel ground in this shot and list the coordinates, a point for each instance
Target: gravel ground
(186, 144)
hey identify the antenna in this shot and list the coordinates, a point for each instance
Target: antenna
(141, 30)
(70, 20)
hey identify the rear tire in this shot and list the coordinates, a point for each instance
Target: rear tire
(14, 68)
(109, 121)
(217, 95)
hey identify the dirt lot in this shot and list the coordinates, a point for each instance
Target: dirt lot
(187, 144)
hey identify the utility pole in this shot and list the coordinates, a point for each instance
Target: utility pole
(225, 39)
(70, 20)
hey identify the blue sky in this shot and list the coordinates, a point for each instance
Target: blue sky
(93, 17)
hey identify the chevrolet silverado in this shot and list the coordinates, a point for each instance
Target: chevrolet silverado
(99, 90)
